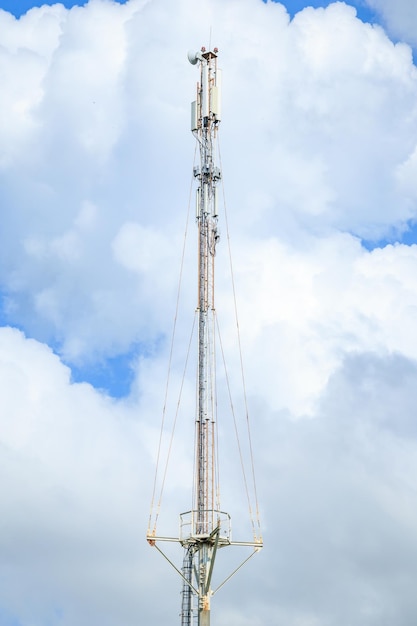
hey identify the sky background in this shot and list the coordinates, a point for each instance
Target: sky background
(319, 155)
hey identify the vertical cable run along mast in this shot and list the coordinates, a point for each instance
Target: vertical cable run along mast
(204, 114)
(205, 528)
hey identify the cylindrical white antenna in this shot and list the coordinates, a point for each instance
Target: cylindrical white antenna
(204, 91)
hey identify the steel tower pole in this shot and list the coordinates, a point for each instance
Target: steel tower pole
(205, 524)
(208, 176)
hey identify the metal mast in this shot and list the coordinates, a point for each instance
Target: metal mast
(205, 528)
(205, 519)
(205, 114)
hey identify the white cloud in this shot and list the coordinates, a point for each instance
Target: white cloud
(399, 16)
(71, 461)
(318, 145)
(328, 101)
(303, 310)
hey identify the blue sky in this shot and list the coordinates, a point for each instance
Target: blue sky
(319, 156)
(364, 12)
(19, 7)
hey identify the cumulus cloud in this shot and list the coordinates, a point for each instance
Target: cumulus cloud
(304, 311)
(345, 497)
(69, 456)
(318, 145)
(92, 119)
(400, 17)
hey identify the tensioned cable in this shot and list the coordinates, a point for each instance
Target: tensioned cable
(240, 346)
(239, 447)
(158, 508)
(217, 459)
(170, 365)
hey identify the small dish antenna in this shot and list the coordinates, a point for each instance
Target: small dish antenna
(193, 57)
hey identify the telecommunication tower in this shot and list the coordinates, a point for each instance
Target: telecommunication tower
(205, 528)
